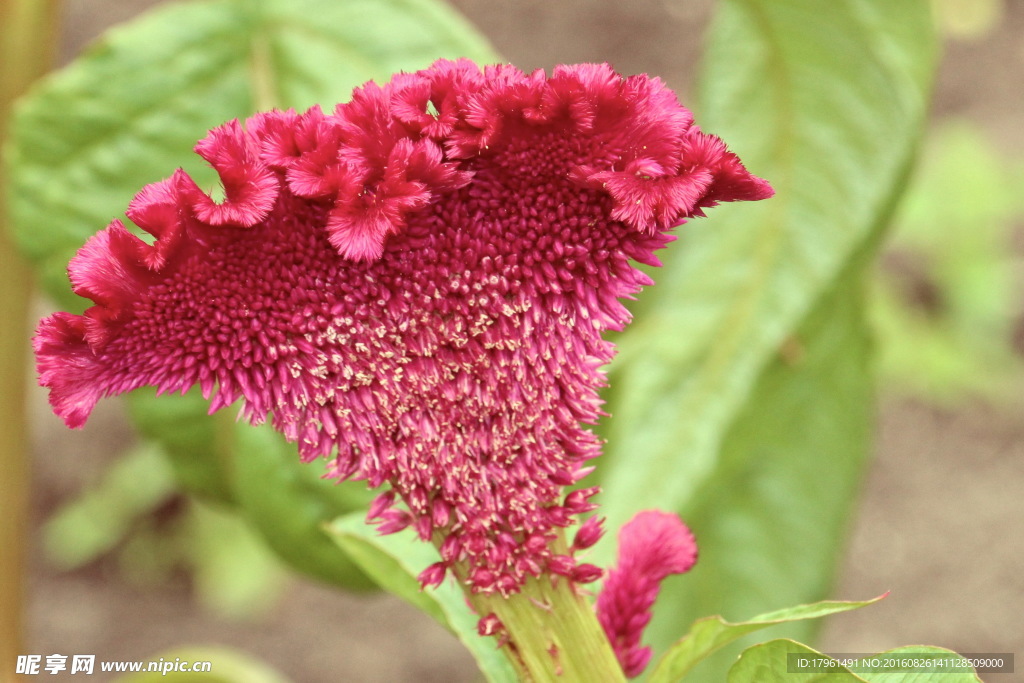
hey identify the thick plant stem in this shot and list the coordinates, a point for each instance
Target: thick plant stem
(552, 633)
(28, 30)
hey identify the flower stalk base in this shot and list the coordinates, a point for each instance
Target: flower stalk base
(550, 632)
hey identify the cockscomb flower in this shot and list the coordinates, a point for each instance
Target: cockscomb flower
(652, 546)
(413, 286)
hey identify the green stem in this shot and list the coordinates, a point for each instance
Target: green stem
(28, 30)
(553, 633)
(550, 631)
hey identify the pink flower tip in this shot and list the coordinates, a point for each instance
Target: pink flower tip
(652, 546)
(658, 543)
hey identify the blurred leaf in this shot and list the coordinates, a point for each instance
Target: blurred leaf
(132, 509)
(769, 663)
(234, 572)
(711, 633)
(197, 446)
(226, 666)
(946, 300)
(99, 519)
(826, 102)
(129, 110)
(394, 561)
(969, 19)
(288, 503)
(771, 524)
(741, 398)
(158, 548)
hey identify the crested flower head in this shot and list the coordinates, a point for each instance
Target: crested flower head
(414, 286)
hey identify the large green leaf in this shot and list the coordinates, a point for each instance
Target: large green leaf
(129, 110)
(826, 101)
(394, 562)
(741, 398)
(771, 522)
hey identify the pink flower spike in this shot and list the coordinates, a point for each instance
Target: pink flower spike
(414, 287)
(577, 501)
(652, 546)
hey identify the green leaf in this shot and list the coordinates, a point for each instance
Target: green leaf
(394, 562)
(226, 666)
(825, 101)
(259, 473)
(233, 571)
(946, 313)
(886, 673)
(771, 523)
(786, 661)
(742, 395)
(288, 503)
(711, 633)
(769, 663)
(104, 514)
(128, 111)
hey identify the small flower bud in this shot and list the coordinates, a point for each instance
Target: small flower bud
(589, 533)
(489, 625)
(433, 576)
(393, 521)
(562, 565)
(587, 573)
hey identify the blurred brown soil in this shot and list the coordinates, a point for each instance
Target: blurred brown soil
(941, 525)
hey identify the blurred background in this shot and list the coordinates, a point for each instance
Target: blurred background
(941, 517)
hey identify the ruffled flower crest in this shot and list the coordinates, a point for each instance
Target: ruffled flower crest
(414, 285)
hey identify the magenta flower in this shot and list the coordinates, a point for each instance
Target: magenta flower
(413, 286)
(652, 546)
